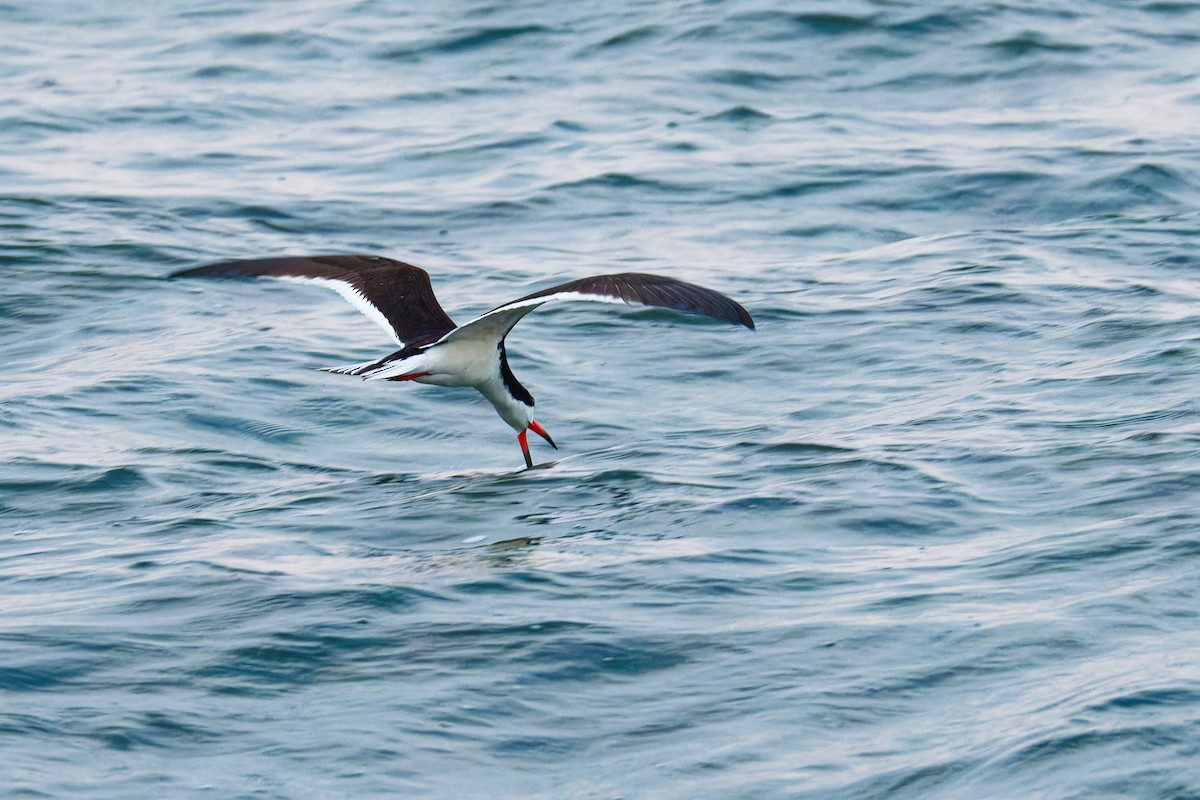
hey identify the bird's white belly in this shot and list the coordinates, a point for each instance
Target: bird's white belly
(459, 363)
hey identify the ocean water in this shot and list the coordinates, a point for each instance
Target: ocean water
(931, 531)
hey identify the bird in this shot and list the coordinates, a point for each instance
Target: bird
(434, 350)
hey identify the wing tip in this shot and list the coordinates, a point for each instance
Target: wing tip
(740, 315)
(696, 299)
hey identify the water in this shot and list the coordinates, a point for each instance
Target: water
(930, 532)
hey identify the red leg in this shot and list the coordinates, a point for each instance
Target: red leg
(523, 438)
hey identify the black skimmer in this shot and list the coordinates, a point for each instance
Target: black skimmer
(400, 298)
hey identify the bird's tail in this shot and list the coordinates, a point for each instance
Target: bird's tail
(400, 369)
(353, 369)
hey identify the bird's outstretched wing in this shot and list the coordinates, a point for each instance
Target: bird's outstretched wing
(630, 288)
(395, 295)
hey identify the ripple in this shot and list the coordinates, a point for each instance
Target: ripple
(740, 114)
(633, 36)
(1033, 42)
(467, 41)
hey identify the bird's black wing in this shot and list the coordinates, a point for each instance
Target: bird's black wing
(632, 288)
(638, 288)
(397, 296)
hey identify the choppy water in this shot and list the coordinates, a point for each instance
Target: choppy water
(930, 532)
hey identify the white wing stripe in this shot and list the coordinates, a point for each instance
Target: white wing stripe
(537, 301)
(352, 296)
(500, 316)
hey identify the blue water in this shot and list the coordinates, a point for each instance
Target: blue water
(932, 531)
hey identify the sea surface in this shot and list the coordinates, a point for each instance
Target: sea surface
(931, 531)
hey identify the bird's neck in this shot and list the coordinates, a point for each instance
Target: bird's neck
(513, 401)
(514, 387)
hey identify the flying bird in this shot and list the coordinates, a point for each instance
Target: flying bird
(399, 297)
